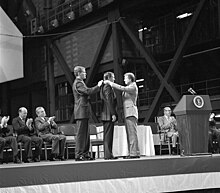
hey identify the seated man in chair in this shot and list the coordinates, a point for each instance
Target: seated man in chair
(27, 135)
(45, 125)
(214, 133)
(168, 125)
(6, 139)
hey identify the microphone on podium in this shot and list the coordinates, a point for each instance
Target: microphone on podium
(190, 90)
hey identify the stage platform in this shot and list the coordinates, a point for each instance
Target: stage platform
(147, 174)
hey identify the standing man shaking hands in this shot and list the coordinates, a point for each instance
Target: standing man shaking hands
(82, 112)
(108, 115)
(129, 97)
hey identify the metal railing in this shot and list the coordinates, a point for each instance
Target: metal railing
(69, 11)
(207, 87)
(166, 33)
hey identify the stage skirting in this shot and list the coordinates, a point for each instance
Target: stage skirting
(155, 174)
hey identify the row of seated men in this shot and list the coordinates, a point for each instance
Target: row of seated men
(31, 133)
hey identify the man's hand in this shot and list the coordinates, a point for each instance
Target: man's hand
(108, 82)
(100, 83)
(4, 121)
(29, 123)
(51, 119)
(113, 118)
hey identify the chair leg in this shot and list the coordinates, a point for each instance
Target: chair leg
(160, 148)
(45, 151)
(20, 149)
(169, 147)
(98, 151)
(67, 151)
(91, 154)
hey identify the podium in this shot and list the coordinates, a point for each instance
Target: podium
(192, 115)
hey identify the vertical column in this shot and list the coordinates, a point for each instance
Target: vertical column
(219, 18)
(117, 57)
(5, 104)
(50, 81)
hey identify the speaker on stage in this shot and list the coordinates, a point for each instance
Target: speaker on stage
(192, 115)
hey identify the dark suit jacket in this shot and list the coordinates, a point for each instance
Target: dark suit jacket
(81, 98)
(21, 128)
(109, 102)
(43, 126)
(4, 130)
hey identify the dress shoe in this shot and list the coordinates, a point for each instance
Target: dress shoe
(28, 160)
(61, 158)
(89, 158)
(174, 151)
(80, 158)
(17, 160)
(36, 159)
(110, 158)
(53, 159)
(131, 157)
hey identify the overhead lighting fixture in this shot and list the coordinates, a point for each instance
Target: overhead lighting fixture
(40, 29)
(141, 86)
(71, 15)
(184, 15)
(88, 7)
(142, 29)
(140, 80)
(27, 13)
(54, 23)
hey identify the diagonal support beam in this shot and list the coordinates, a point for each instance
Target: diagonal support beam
(176, 60)
(95, 63)
(150, 60)
(99, 54)
(62, 62)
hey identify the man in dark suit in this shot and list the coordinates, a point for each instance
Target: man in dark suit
(45, 125)
(108, 115)
(27, 135)
(7, 139)
(81, 112)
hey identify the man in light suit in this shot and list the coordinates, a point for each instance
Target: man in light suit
(27, 134)
(168, 124)
(129, 96)
(108, 115)
(81, 95)
(45, 125)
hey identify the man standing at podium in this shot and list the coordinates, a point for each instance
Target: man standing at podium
(168, 124)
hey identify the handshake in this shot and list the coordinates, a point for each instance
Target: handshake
(4, 121)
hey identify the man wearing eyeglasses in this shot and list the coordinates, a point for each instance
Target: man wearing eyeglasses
(168, 125)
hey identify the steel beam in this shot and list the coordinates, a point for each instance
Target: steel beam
(62, 63)
(176, 60)
(99, 54)
(51, 81)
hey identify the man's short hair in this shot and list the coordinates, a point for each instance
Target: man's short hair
(21, 109)
(167, 109)
(78, 69)
(37, 109)
(131, 76)
(108, 75)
